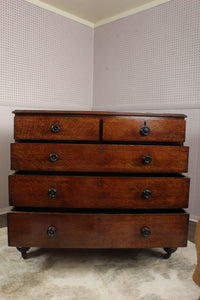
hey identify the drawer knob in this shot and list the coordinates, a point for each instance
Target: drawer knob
(53, 157)
(51, 231)
(52, 193)
(145, 131)
(147, 193)
(147, 159)
(55, 128)
(145, 232)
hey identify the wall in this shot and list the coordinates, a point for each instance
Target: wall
(46, 62)
(150, 61)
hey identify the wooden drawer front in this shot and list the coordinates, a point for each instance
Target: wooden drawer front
(70, 128)
(98, 158)
(127, 129)
(100, 230)
(98, 192)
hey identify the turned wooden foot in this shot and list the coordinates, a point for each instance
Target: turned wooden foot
(169, 252)
(196, 274)
(23, 251)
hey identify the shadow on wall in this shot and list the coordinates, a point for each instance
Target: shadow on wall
(6, 137)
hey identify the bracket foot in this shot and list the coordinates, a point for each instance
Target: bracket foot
(169, 252)
(23, 251)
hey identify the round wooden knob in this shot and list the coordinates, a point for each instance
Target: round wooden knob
(53, 157)
(52, 193)
(51, 231)
(147, 159)
(145, 131)
(147, 193)
(55, 128)
(145, 232)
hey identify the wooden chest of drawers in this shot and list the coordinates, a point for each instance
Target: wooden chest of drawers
(98, 180)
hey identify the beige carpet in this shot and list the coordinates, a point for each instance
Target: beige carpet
(96, 274)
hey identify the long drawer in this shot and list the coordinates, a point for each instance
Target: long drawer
(98, 192)
(97, 230)
(98, 158)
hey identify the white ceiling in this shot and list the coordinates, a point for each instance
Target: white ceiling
(97, 12)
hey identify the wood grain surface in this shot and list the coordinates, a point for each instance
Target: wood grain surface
(119, 129)
(98, 191)
(98, 158)
(82, 178)
(71, 128)
(29, 229)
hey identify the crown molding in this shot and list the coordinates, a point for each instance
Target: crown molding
(101, 22)
(130, 12)
(60, 12)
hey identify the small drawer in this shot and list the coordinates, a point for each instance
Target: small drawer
(97, 230)
(98, 158)
(38, 127)
(99, 192)
(144, 129)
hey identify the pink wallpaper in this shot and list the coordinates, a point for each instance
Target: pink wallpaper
(150, 59)
(46, 60)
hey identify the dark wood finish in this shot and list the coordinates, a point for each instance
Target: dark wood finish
(3, 223)
(169, 252)
(75, 230)
(98, 191)
(23, 251)
(71, 128)
(98, 158)
(119, 129)
(97, 113)
(94, 161)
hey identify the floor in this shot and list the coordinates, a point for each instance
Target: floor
(191, 233)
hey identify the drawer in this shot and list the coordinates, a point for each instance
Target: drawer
(98, 192)
(144, 129)
(97, 230)
(40, 127)
(98, 158)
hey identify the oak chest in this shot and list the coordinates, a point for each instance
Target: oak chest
(98, 180)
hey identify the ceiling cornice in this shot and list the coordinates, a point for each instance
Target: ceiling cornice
(101, 22)
(131, 12)
(60, 12)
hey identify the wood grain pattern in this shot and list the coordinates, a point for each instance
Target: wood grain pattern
(98, 158)
(97, 230)
(71, 128)
(98, 192)
(99, 166)
(119, 129)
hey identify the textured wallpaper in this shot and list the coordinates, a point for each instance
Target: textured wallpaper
(150, 59)
(46, 60)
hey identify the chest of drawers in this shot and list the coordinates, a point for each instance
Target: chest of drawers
(98, 180)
